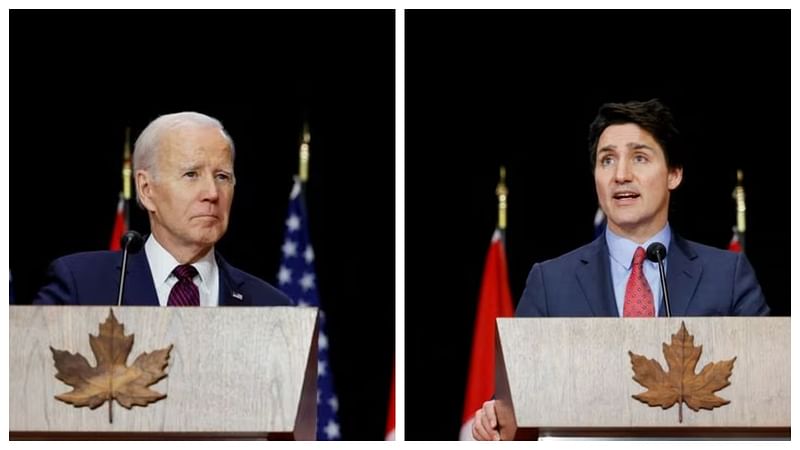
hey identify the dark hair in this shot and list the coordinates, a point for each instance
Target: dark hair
(652, 116)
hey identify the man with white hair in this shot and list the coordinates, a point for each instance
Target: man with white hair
(183, 170)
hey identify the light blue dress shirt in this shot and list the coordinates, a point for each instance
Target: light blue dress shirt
(620, 252)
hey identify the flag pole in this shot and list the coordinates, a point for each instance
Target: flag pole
(502, 200)
(305, 154)
(121, 221)
(738, 195)
(126, 175)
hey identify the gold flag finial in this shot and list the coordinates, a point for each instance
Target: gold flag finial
(738, 194)
(305, 154)
(126, 166)
(502, 200)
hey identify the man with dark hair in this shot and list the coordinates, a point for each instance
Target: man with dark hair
(636, 158)
(651, 116)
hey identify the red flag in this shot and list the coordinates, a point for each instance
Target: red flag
(390, 416)
(735, 245)
(119, 226)
(494, 302)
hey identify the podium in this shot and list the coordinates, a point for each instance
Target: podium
(559, 377)
(232, 373)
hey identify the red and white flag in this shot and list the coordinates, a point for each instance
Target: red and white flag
(736, 244)
(120, 227)
(390, 416)
(494, 302)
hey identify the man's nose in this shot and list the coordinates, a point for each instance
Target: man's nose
(210, 189)
(622, 174)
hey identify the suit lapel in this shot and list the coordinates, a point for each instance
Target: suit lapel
(139, 288)
(683, 274)
(594, 277)
(230, 284)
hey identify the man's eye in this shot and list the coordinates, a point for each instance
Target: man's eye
(606, 161)
(190, 174)
(223, 177)
(640, 158)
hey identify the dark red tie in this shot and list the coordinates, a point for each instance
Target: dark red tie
(185, 292)
(638, 296)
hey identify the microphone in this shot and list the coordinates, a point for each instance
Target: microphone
(656, 252)
(131, 242)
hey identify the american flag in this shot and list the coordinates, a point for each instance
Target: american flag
(297, 279)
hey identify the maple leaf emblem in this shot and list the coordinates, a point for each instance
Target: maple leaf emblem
(681, 384)
(111, 378)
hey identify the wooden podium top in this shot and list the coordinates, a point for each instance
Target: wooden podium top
(575, 374)
(244, 371)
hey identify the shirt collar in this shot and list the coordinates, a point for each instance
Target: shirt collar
(621, 249)
(162, 263)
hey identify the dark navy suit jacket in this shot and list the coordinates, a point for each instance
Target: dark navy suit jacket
(702, 281)
(92, 278)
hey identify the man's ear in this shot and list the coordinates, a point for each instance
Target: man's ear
(674, 177)
(144, 187)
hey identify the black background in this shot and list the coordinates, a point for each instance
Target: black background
(520, 89)
(78, 78)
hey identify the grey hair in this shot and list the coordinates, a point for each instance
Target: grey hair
(149, 141)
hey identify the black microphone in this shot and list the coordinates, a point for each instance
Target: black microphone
(656, 252)
(131, 242)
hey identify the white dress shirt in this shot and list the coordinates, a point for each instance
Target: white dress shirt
(162, 263)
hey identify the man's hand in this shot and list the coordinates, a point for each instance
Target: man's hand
(485, 426)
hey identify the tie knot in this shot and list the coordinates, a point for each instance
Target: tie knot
(185, 272)
(638, 257)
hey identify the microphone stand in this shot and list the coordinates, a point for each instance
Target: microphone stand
(122, 275)
(655, 252)
(131, 238)
(664, 284)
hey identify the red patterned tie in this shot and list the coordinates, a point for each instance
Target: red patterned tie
(638, 296)
(185, 292)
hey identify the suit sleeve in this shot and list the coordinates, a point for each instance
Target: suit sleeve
(534, 298)
(748, 300)
(60, 287)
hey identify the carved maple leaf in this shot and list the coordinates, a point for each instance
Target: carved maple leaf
(111, 378)
(681, 384)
